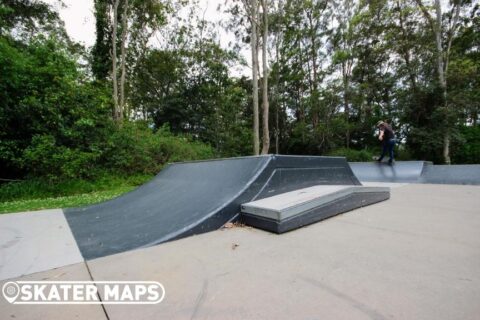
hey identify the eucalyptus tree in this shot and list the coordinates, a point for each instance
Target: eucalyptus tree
(256, 33)
(344, 43)
(125, 26)
(265, 103)
(444, 29)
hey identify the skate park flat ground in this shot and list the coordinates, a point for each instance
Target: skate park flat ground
(416, 256)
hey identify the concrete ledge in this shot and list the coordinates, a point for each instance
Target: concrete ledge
(293, 210)
(292, 203)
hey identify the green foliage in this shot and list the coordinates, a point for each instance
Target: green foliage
(135, 148)
(468, 148)
(56, 124)
(131, 149)
(28, 16)
(41, 193)
(353, 155)
(45, 158)
(403, 154)
(101, 61)
(62, 202)
(39, 188)
(191, 92)
(47, 110)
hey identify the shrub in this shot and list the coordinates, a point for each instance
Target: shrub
(135, 148)
(352, 155)
(44, 157)
(131, 149)
(467, 149)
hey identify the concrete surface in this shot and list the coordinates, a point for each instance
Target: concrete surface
(76, 272)
(35, 241)
(416, 256)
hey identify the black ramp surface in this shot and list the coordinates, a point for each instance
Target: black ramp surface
(195, 197)
(402, 171)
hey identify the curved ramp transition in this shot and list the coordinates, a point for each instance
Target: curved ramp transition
(195, 197)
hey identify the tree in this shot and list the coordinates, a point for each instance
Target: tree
(344, 42)
(265, 104)
(28, 18)
(117, 111)
(101, 52)
(128, 24)
(442, 56)
(252, 9)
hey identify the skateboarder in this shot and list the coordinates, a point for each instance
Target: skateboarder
(387, 136)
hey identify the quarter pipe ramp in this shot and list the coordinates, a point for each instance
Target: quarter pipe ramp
(195, 197)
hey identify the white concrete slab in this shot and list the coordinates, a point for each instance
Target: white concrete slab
(390, 185)
(416, 256)
(292, 203)
(35, 241)
(76, 272)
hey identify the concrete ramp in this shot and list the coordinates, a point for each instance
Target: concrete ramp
(401, 171)
(195, 197)
(416, 172)
(467, 174)
(295, 209)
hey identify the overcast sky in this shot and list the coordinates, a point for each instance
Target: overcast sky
(80, 22)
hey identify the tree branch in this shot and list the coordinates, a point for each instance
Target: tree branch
(426, 14)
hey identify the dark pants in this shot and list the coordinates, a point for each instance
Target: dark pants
(388, 147)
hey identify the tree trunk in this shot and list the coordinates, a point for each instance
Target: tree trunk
(313, 31)
(405, 51)
(346, 103)
(438, 41)
(436, 25)
(123, 57)
(277, 98)
(116, 110)
(441, 78)
(446, 148)
(256, 138)
(266, 133)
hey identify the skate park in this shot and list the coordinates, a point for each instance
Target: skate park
(241, 159)
(286, 236)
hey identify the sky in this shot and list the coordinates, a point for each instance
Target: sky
(80, 21)
(78, 18)
(80, 24)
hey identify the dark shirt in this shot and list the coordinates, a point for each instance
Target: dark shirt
(388, 133)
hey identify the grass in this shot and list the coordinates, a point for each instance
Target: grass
(39, 194)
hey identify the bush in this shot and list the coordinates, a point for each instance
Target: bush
(353, 155)
(467, 149)
(39, 188)
(131, 149)
(44, 157)
(403, 154)
(135, 148)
